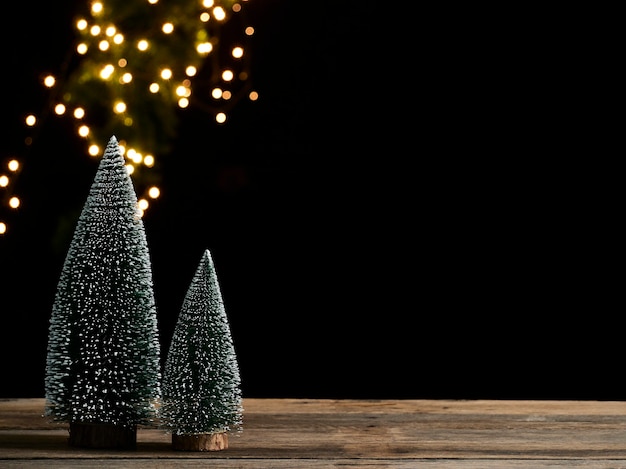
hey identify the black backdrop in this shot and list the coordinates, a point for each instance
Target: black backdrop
(401, 214)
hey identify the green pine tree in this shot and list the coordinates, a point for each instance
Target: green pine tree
(201, 381)
(103, 350)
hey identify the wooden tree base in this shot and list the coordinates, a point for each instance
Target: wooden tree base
(102, 435)
(200, 442)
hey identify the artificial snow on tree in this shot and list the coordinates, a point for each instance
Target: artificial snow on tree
(202, 400)
(102, 367)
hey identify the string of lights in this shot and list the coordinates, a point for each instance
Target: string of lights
(136, 65)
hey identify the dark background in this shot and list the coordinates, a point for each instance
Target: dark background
(407, 212)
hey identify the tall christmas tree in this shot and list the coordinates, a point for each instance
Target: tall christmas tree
(102, 368)
(202, 401)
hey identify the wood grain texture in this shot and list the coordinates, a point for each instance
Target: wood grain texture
(293, 433)
(203, 442)
(89, 435)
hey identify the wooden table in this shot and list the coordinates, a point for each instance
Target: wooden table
(302, 433)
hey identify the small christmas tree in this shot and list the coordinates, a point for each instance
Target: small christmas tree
(202, 401)
(102, 368)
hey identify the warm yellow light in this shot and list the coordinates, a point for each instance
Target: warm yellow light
(204, 48)
(14, 202)
(128, 121)
(219, 13)
(3, 227)
(49, 81)
(31, 120)
(183, 91)
(107, 71)
(119, 107)
(204, 17)
(13, 165)
(134, 155)
(96, 8)
(153, 2)
(105, 36)
(142, 45)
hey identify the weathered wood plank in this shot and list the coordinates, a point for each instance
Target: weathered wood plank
(356, 433)
(313, 464)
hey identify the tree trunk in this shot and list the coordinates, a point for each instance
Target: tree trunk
(102, 435)
(200, 442)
